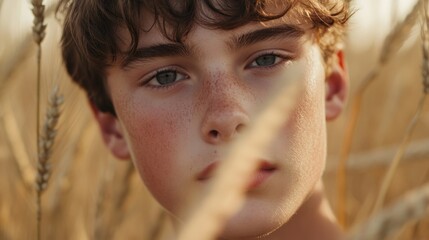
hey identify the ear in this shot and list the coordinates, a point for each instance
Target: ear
(112, 133)
(337, 86)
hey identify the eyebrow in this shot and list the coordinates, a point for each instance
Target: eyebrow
(159, 50)
(253, 37)
(144, 54)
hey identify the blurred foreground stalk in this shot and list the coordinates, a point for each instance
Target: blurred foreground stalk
(227, 194)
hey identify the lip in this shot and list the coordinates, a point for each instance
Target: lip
(207, 172)
(260, 177)
(265, 170)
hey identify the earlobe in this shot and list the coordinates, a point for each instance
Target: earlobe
(112, 133)
(336, 88)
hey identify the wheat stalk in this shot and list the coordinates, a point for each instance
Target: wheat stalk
(228, 190)
(38, 35)
(38, 23)
(392, 43)
(47, 138)
(413, 206)
(14, 57)
(397, 37)
(425, 70)
(382, 157)
(425, 48)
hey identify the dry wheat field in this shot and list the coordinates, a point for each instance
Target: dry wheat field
(70, 187)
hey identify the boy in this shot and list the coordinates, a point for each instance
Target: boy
(171, 83)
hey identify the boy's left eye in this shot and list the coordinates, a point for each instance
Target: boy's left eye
(266, 60)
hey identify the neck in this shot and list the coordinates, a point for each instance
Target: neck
(313, 220)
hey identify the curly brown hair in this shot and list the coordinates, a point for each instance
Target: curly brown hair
(89, 40)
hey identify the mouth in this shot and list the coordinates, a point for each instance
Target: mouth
(207, 172)
(265, 170)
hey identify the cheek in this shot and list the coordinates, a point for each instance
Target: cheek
(154, 135)
(310, 113)
(305, 132)
(151, 140)
(309, 131)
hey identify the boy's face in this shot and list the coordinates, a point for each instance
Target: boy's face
(178, 107)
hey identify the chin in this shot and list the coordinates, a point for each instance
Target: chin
(255, 220)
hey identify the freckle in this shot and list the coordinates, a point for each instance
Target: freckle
(225, 91)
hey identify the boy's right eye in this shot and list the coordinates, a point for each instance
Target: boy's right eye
(164, 78)
(167, 77)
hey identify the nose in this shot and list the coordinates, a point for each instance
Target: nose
(221, 126)
(225, 114)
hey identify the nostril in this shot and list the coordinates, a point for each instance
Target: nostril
(214, 133)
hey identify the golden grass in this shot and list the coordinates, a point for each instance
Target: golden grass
(399, 155)
(411, 127)
(93, 196)
(392, 43)
(414, 206)
(11, 60)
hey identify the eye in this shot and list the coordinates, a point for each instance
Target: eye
(165, 77)
(267, 60)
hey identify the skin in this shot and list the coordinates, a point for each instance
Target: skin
(174, 132)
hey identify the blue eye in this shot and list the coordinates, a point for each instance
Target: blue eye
(163, 78)
(166, 77)
(266, 60)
